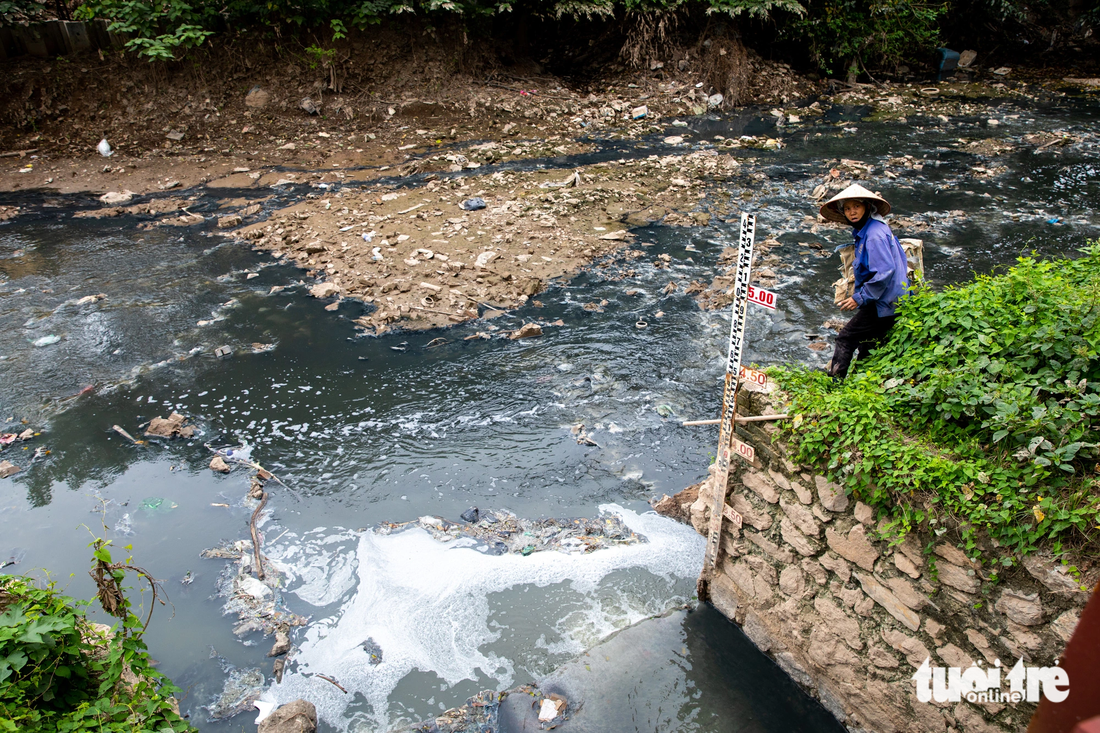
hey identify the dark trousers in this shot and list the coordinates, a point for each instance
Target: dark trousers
(864, 332)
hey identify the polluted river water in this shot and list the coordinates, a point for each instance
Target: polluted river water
(367, 431)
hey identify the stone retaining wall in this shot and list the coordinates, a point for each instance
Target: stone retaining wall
(851, 618)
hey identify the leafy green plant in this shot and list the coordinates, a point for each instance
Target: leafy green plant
(849, 35)
(980, 411)
(155, 30)
(57, 672)
(14, 12)
(320, 57)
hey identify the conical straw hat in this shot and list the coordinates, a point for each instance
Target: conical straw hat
(830, 210)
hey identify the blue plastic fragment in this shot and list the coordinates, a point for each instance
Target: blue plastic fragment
(948, 62)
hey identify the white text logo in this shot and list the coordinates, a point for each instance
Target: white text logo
(952, 684)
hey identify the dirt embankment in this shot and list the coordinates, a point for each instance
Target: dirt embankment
(367, 101)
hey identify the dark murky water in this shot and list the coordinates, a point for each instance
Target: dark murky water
(368, 434)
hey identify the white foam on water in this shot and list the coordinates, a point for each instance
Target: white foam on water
(425, 603)
(315, 571)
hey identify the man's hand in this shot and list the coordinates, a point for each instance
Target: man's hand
(849, 305)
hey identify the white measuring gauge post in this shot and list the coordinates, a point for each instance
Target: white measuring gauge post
(727, 443)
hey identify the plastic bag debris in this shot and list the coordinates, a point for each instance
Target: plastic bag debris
(473, 204)
(156, 504)
(308, 106)
(117, 198)
(124, 526)
(7, 468)
(104, 148)
(499, 532)
(552, 707)
(46, 340)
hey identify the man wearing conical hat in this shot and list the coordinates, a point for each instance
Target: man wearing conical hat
(879, 266)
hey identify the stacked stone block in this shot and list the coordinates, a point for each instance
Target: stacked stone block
(851, 617)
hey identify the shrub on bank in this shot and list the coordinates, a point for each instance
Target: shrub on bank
(979, 412)
(58, 672)
(850, 36)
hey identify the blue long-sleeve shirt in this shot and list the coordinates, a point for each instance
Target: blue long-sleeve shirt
(880, 267)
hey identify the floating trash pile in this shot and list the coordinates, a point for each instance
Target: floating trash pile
(483, 712)
(242, 688)
(480, 714)
(502, 532)
(257, 603)
(7, 468)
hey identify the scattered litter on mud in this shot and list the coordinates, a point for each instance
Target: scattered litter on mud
(501, 532)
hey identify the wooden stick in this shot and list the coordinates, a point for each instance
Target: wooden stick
(258, 467)
(255, 539)
(326, 678)
(126, 435)
(433, 310)
(480, 302)
(738, 419)
(19, 153)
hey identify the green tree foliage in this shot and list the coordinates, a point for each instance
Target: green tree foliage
(158, 29)
(58, 674)
(850, 35)
(14, 12)
(983, 408)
